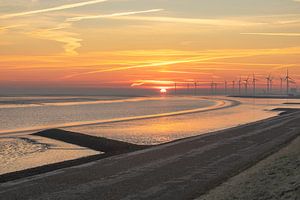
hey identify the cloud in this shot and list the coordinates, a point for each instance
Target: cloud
(156, 64)
(74, 19)
(62, 7)
(69, 39)
(201, 58)
(5, 28)
(137, 84)
(154, 82)
(274, 34)
(198, 21)
(182, 72)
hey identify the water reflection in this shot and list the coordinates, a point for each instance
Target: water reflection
(160, 130)
(73, 113)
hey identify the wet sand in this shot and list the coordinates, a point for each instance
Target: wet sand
(82, 149)
(183, 169)
(267, 97)
(27, 152)
(96, 143)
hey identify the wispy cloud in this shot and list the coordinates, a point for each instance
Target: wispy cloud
(5, 28)
(152, 82)
(182, 72)
(198, 21)
(274, 34)
(137, 84)
(69, 39)
(74, 19)
(156, 64)
(62, 7)
(202, 57)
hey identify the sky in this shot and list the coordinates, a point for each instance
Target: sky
(146, 43)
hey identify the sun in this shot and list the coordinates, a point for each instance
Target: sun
(163, 91)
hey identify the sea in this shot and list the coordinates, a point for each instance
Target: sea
(140, 120)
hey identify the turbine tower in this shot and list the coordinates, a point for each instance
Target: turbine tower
(175, 88)
(268, 78)
(188, 87)
(288, 81)
(212, 87)
(216, 87)
(281, 85)
(225, 87)
(233, 87)
(246, 82)
(271, 84)
(240, 86)
(254, 80)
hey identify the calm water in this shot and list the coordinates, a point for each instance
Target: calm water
(158, 117)
(137, 120)
(161, 130)
(32, 113)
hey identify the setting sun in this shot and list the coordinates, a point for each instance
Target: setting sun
(163, 91)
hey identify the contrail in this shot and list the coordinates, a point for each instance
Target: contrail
(62, 7)
(274, 34)
(165, 63)
(74, 19)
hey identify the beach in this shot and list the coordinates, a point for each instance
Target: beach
(143, 121)
(183, 169)
(21, 117)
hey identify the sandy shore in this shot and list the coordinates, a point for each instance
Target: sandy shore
(276, 177)
(184, 169)
(267, 96)
(63, 149)
(23, 153)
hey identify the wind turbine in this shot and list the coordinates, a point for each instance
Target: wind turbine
(240, 86)
(288, 81)
(271, 84)
(216, 87)
(188, 87)
(225, 87)
(233, 87)
(246, 82)
(254, 80)
(212, 87)
(268, 78)
(175, 88)
(281, 85)
(195, 85)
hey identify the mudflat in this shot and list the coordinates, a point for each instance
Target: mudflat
(183, 169)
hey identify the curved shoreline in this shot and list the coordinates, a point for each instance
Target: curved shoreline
(182, 169)
(220, 104)
(72, 103)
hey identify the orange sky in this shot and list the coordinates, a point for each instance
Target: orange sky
(146, 43)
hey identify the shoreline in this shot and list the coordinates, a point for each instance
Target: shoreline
(105, 147)
(221, 154)
(220, 104)
(108, 147)
(265, 97)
